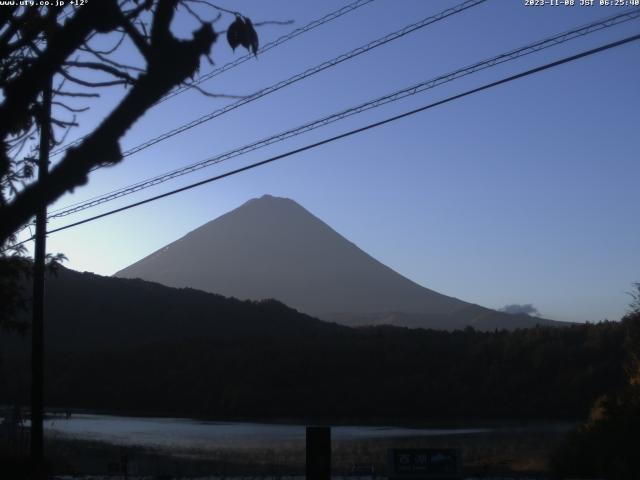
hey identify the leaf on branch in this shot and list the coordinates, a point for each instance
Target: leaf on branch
(234, 33)
(252, 37)
(241, 32)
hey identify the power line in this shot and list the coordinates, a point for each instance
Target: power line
(353, 132)
(240, 60)
(406, 92)
(299, 31)
(301, 76)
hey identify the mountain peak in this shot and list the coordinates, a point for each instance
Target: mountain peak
(272, 200)
(268, 196)
(267, 203)
(272, 247)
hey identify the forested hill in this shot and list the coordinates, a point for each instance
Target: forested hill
(134, 346)
(88, 311)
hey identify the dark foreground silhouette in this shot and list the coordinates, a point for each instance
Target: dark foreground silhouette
(133, 346)
(606, 446)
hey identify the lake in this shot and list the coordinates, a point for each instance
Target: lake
(204, 435)
(93, 443)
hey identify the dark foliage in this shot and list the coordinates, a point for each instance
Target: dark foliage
(136, 346)
(14, 272)
(606, 446)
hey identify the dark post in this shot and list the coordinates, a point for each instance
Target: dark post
(318, 453)
(124, 464)
(37, 336)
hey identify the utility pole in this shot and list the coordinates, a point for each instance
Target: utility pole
(37, 325)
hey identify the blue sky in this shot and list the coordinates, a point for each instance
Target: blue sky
(526, 193)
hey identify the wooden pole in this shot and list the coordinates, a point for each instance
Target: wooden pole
(318, 453)
(37, 326)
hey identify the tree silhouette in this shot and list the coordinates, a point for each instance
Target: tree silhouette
(606, 444)
(39, 45)
(76, 52)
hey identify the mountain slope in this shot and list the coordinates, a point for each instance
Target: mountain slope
(273, 248)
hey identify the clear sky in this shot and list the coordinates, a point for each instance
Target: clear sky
(527, 193)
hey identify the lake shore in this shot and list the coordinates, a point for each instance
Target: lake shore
(94, 444)
(404, 422)
(499, 452)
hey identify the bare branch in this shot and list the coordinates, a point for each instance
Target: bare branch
(161, 25)
(134, 12)
(214, 95)
(70, 109)
(273, 22)
(104, 68)
(136, 37)
(216, 7)
(109, 51)
(103, 58)
(24, 89)
(63, 123)
(170, 62)
(76, 94)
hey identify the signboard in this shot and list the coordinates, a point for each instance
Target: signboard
(427, 463)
